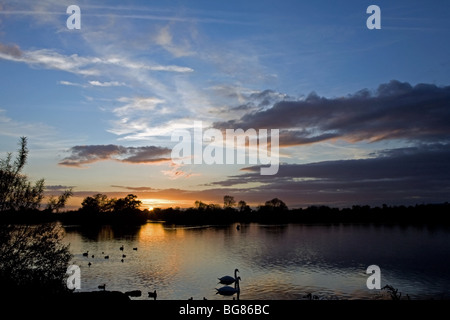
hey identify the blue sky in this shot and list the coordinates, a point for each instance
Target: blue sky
(88, 99)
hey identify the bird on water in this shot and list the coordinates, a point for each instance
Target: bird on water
(229, 279)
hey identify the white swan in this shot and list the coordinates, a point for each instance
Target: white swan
(229, 279)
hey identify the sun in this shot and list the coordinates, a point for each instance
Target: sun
(151, 204)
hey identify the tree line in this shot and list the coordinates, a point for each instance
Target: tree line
(275, 211)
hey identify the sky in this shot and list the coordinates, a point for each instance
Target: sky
(363, 114)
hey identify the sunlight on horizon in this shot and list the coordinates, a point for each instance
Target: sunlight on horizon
(150, 204)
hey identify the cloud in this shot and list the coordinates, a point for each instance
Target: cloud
(41, 132)
(57, 187)
(140, 189)
(80, 65)
(73, 84)
(418, 174)
(12, 51)
(81, 155)
(165, 39)
(175, 172)
(92, 83)
(50, 59)
(169, 68)
(403, 176)
(395, 110)
(137, 104)
(96, 83)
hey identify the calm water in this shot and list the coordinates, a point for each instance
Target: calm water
(275, 262)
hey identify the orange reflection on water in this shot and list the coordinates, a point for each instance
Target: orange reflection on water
(151, 232)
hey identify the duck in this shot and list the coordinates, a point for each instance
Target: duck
(85, 254)
(102, 287)
(152, 295)
(134, 293)
(121, 248)
(309, 296)
(106, 257)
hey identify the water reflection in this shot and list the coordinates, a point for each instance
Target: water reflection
(275, 262)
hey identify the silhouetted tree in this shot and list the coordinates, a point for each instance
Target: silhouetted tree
(228, 202)
(32, 258)
(200, 205)
(16, 192)
(213, 206)
(243, 207)
(56, 204)
(276, 203)
(127, 204)
(99, 203)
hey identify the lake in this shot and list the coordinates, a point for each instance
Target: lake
(275, 261)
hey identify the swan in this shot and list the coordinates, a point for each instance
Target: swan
(229, 291)
(229, 279)
(226, 291)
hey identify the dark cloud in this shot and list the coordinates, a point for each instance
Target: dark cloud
(268, 97)
(141, 189)
(395, 110)
(57, 188)
(401, 176)
(296, 137)
(244, 101)
(12, 51)
(92, 153)
(147, 154)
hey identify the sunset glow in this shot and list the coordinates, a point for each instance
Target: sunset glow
(100, 101)
(150, 204)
